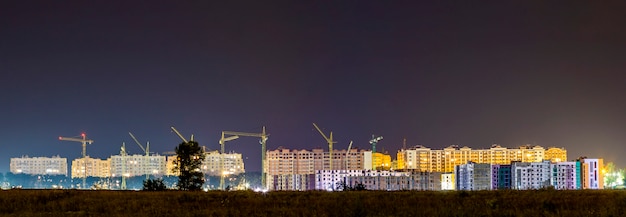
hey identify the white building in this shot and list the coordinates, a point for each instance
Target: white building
(137, 165)
(93, 167)
(566, 175)
(291, 182)
(332, 180)
(39, 165)
(535, 175)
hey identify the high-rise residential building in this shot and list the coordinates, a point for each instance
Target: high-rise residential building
(91, 167)
(284, 161)
(426, 159)
(138, 165)
(39, 165)
(473, 176)
(566, 175)
(530, 175)
(591, 173)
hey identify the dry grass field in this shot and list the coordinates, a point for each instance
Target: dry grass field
(313, 203)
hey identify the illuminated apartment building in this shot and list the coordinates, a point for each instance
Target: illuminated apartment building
(91, 167)
(556, 154)
(39, 165)
(138, 165)
(233, 164)
(426, 159)
(284, 161)
(381, 161)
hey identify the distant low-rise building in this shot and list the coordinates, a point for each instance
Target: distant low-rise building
(91, 167)
(39, 165)
(138, 165)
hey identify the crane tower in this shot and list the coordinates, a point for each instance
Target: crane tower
(83, 139)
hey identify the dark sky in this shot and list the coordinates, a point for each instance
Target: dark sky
(549, 73)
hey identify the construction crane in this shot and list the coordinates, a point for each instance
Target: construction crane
(181, 136)
(146, 161)
(222, 141)
(348, 154)
(123, 154)
(330, 141)
(262, 141)
(83, 139)
(374, 141)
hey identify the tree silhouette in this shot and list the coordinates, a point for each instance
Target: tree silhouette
(188, 161)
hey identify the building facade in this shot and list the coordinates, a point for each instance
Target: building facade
(39, 165)
(426, 159)
(232, 164)
(592, 176)
(501, 177)
(566, 175)
(533, 175)
(396, 181)
(138, 165)
(473, 176)
(91, 167)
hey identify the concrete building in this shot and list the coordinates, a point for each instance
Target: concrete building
(138, 165)
(39, 165)
(534, 175)
(566, 175)
(591, 173)
(426, 159)
(473, 176)
(91, 167)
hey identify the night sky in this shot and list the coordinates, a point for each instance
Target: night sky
(437, 73)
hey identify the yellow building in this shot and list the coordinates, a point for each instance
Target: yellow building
(92, 167)
(425, 159)
(381, 161)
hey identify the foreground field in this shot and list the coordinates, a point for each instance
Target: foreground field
(364, 203)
